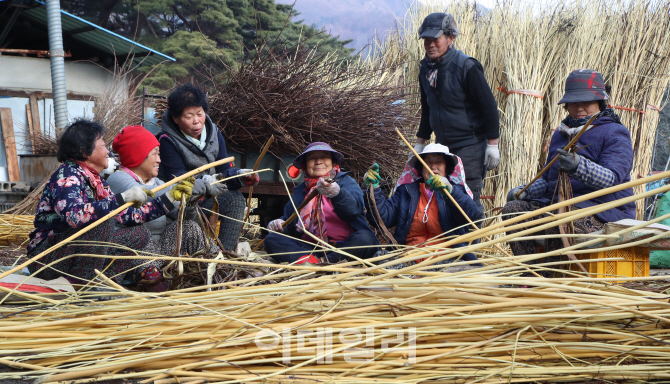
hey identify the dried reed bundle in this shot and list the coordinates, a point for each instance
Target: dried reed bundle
(526, 47)
(359, 325)
(14, 229)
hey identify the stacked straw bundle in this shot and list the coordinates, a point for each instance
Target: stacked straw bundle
(370, 324)
(384, 330)
(526, 47)
(14, 229)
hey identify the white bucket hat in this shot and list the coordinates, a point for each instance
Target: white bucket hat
(432, 148)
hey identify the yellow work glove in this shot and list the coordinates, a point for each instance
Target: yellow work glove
(439, 183)
(182, 188)
(372, 176)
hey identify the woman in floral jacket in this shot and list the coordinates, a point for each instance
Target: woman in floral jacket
(77, 196)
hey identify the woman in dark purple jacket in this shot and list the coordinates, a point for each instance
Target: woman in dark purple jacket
(604, 159)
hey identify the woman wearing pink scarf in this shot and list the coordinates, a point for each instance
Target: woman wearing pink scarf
(335, 216)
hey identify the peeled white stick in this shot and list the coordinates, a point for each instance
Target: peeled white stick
(240, 175)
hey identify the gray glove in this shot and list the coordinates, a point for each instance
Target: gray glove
(217, 188)
(137, 195)
(492, 158)
(511, 195)
(568, 161)
(199, 189)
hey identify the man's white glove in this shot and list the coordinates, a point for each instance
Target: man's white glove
(276, 225)
(418, 148)
(492, 156)
(327, 189)
(214, 189)
(136, 195)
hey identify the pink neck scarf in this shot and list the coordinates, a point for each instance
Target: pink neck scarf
(95, 180)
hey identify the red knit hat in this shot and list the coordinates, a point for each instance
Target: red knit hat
(133, 144)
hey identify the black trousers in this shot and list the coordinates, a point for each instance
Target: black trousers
(275, 243)
(473, 157)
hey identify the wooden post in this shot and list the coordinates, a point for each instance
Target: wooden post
(10, 144)
(35, 112)
(31, 130)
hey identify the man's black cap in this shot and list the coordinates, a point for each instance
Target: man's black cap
(436, 24)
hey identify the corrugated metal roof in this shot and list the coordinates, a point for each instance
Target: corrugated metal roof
(98, 37)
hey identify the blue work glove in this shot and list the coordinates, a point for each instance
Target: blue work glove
(439, 182)
(372, 176)
(568, 161)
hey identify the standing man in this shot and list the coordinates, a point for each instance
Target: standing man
(457, 103)
(188, 140)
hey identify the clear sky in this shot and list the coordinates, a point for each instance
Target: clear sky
(350, 19)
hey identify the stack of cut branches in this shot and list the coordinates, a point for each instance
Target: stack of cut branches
(305, 97)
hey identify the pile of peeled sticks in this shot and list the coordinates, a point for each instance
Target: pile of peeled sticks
(362, 322)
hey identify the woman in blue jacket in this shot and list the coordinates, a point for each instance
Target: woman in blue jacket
(604, 159)
(335, 216)
(421, 214)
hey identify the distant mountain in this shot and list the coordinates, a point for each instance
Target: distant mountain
(350, 19)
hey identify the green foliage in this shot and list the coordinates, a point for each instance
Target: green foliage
(207, 37)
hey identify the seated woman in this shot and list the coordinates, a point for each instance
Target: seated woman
(604, 159)
(190, 139)
(335, 215)
(75, 197)
(418, 210)
(139, 155)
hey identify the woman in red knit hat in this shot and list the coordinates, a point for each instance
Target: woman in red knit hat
(139, 155)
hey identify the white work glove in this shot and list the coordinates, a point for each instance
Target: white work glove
(136, 195)
(511, 195)
(418, 148)
(492, 156)
(214, 189)
(327, 189)
(276, 225)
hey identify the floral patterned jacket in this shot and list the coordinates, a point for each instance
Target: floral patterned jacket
(68, 201)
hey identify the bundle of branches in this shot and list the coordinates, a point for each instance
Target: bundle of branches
(374, 324)
(28, 206)
(305, 97)
(118, 106)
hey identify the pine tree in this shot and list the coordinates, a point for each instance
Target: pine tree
(207, 37)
